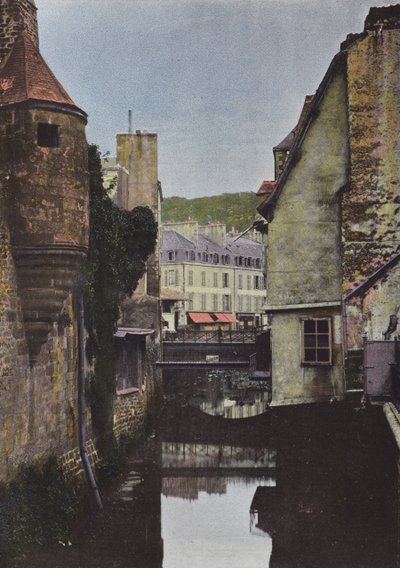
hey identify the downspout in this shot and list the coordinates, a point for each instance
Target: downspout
(82, 402)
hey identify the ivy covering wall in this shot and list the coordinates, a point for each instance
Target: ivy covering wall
(120, 242)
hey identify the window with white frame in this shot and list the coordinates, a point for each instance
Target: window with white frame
(240, 281)
(316, 341)
(190, 278)
(203, 302)
(215, 279)
(225, 280)
(203, 278)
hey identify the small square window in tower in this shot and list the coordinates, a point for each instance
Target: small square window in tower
(48, 135)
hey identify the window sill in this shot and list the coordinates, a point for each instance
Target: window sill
(124, 392)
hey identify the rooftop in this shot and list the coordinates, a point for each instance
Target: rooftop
(25, 76)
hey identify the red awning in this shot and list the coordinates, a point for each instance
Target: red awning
(226, 318)
(199, 317)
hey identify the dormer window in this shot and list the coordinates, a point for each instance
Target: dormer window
(48, 135)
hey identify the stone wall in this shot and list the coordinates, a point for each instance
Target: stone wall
(37, 404)
(371, 222)
(13, 15)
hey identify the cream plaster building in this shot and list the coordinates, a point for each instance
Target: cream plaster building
(217, 278)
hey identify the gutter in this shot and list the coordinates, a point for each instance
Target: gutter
(82, 402)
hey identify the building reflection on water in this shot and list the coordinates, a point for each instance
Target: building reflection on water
(312, 486)
(229, 394)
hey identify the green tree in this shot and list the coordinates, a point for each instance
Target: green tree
(120, 242)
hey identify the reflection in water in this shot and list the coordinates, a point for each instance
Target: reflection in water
(213, 531)
(299, 487)
(229, 394)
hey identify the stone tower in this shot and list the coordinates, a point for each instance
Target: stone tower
(15, 15)
(43, 173)
(138, 185)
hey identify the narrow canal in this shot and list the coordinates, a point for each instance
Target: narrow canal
(228, 482)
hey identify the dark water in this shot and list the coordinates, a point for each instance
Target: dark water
(305, 487)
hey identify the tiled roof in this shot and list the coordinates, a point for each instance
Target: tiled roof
(24, 75)
(267, 187)
(173, 241)
(287, 142)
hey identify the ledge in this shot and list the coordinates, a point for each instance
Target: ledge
(393, 418)
(286, 307)
(124, 392)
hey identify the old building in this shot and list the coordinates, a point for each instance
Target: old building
(220, 280)
(138, 334)
(333, 220)
(44, 238)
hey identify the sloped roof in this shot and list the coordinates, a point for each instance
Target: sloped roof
(310, 108)
(377, 275)
(287, 142)
(266, 188)
(25, 76)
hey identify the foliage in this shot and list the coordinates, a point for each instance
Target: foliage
(39, 505)
(120, 242)
(234, 209)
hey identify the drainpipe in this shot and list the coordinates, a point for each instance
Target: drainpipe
(82, 403)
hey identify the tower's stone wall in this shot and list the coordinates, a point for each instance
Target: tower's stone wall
(15, 14)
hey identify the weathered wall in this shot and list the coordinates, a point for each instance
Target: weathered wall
(371, 220)
(13, 15)
(37, 405)
(369, 314)
(138, 186)
(303, 255)
(293, 383)
(47, 209)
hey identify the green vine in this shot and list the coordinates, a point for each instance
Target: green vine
(120, 242)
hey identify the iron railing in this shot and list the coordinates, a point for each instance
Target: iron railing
(218, 336)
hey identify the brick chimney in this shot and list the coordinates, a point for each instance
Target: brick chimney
(14, 16)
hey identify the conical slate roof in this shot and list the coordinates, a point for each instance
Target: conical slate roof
(24, 76)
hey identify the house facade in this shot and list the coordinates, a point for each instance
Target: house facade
(333, 219)
(214, 274)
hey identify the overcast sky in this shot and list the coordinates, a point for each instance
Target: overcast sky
(220, 81)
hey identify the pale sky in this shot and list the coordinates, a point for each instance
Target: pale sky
(220, 81)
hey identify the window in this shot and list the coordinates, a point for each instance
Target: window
(203, 302)
(248, 282)
(192, 255)
(171, 278)
(216, 259)
(258, 264)
(205, 257)
(257, 282)
(316, 341)
(190, 278)
(226, 303)
(215, 279)
(240, 282)
(165, 278)
(203, 278)
(240, 303)
(248, 303)
(225, 280)
(191, 296)
(215, 302)
(48, 135)
(171, 255)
